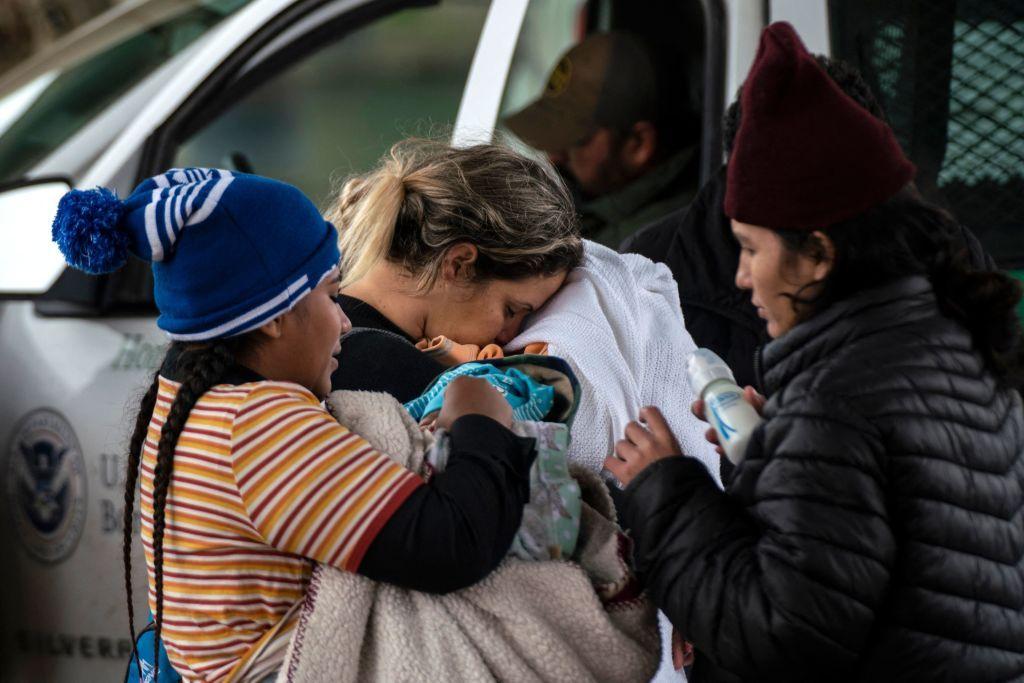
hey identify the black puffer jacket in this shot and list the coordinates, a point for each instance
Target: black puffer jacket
(875, 531)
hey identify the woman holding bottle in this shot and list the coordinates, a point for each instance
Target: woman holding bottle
(874, 529)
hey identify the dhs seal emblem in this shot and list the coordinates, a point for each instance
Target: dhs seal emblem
(46, 485)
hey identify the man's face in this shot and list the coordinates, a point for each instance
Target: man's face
(596, 163)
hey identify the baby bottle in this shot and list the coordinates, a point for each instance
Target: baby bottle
(732, 418)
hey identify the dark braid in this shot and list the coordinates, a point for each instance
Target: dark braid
(202, 367)
(131, 477)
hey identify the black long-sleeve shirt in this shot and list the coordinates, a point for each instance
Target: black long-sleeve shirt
(379, 356)
(456, 530)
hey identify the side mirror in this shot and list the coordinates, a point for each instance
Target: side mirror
(30, 262)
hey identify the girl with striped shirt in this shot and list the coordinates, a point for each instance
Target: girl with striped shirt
(246, 480)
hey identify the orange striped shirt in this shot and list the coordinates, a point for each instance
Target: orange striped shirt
(265, 482)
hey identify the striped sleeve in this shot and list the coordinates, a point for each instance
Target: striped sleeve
(310, 486)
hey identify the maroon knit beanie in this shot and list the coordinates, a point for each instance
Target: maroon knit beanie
(806, 155)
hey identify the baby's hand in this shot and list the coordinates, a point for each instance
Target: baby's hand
(429, 422)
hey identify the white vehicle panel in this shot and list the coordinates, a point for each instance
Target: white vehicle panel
(63, 595)
(809, 18)
(744, 19)
(14, 104)
(307, 23)
(485, 84)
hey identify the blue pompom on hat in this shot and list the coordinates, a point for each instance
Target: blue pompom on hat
(230, 251)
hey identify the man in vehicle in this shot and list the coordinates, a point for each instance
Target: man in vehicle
(609, 121)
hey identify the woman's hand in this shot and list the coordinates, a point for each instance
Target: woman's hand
(642, 446)
(750, 395)
(429, 422)
(472, 396)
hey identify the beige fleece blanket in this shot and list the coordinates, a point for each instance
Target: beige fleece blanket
(580, 620)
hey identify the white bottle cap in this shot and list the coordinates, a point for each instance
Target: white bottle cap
(704, 367)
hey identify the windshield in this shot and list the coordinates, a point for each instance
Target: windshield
(53, 97)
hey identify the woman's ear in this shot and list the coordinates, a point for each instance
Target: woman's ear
(825, 257)
(459, 262)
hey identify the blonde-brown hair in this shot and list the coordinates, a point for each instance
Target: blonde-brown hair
(426, 196)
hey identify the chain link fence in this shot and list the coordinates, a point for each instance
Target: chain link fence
(950, 75)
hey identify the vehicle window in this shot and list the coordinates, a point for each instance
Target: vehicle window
(40, 111)
(337, 110)
(951, 79)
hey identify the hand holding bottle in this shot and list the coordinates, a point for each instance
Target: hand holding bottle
(731, 411)
(750, 395)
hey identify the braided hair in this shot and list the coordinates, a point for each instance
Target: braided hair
(146, 406)
(202, 367)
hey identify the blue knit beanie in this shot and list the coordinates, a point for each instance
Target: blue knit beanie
(230, 251)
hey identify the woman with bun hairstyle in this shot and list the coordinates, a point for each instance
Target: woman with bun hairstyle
(246, 479)
(439, 240)
(874, 530)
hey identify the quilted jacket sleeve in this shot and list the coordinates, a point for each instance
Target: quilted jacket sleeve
(783, 579)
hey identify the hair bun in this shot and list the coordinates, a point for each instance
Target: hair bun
(87, 229)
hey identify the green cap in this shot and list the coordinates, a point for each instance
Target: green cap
(608, 80)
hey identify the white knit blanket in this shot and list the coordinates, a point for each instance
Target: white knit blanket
(618, 323)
